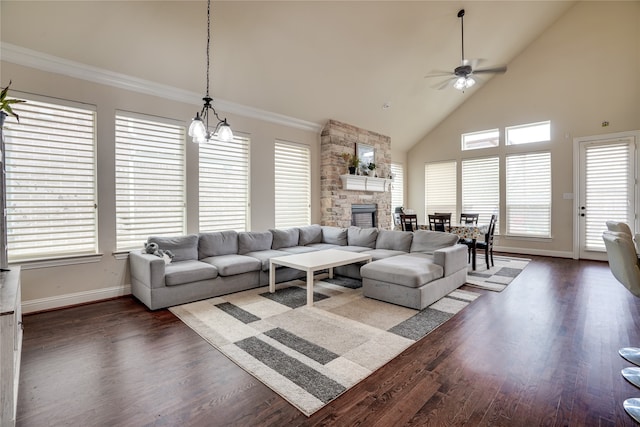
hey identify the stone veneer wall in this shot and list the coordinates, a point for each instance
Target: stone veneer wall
(335, 202)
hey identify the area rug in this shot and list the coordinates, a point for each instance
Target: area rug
(311, 355)
(498, 276)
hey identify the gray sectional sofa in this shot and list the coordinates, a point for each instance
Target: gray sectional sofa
(413, 269)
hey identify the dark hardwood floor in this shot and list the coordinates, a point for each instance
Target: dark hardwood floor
(542, 352)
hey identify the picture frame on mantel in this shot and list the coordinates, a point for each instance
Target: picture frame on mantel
(366, 154)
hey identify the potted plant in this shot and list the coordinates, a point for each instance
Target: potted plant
(353, 161)
(5, 105)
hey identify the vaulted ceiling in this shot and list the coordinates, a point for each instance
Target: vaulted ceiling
(310, 60)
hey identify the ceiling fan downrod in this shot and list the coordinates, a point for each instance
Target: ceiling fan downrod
(461, 16)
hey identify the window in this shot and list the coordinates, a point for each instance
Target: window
(481, 188)
(525, 134)
(482, 139)
(440, 188)
(150, 179)
(224, 185)
(528, 204)
(51, 181)
(292, 185)
(397, 186)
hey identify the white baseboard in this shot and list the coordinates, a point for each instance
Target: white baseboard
(529, 251)
(59, 301)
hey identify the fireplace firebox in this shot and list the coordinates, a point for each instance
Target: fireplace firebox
(364, 216)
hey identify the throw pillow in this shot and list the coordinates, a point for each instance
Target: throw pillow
(310, 234)
(285, 238)
(334, 235)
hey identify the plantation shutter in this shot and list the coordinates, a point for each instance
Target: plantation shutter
(224, 185)
(292, 185)
(51, 181)
(528, 204)
(440, 188)
(481, 188)
(150, 179)
(397, 186)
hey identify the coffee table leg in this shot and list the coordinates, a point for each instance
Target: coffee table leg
(272, 277)
(331, 273)
(309, 288)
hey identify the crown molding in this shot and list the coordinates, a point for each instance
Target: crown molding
(53, 64)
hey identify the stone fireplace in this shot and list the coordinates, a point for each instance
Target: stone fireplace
(336, 202)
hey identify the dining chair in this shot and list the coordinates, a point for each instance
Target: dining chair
(623, 262)
(409, 222)
(439, 222)
(487, 244)
(469, 218)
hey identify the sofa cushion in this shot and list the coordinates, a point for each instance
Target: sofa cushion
(181, 272)
(427, 241)
(265, 256)
(334, 235)
(366, 237)
(403, 270)
(284, 238)
(310, 234)
(183, 247)
(323, 246)
(229, 265)
(251, 241)
(217, 243)
(394, 240)
(299, 249)
(377, 254)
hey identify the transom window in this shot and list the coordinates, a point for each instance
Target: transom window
(482, 139)
(525, 134)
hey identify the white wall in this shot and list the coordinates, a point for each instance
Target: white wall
(585, 69)
(44, 288)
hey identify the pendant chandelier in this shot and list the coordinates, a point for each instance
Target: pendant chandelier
(199, 129)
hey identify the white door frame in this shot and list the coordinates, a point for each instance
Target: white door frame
(577, 190)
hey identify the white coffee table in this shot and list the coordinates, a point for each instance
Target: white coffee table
(312, 262)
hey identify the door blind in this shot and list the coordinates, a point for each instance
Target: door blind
(51, 181)
(608, 187)
(224, 185)
(440, 188)
(150, 180)
(528, 194)
(481, 188)
(292, 185)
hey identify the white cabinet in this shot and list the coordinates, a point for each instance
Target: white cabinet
(364, 183)
(10, 344)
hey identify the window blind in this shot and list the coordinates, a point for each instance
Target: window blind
(397, 186)
(609, 180)
(481, 188)
(224, 185)
(292, 185)
(440, 188)
(51, 181)
(528, 194)
(150, 179)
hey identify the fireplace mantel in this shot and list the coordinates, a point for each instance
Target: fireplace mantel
(364, 183)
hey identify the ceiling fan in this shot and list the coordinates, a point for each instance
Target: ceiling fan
(463, 75)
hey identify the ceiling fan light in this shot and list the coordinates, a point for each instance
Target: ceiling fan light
(460, 83)
(470, 82)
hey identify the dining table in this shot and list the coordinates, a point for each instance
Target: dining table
(471, 232)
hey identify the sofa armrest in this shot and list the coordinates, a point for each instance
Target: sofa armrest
(147, 269)
(452, 258)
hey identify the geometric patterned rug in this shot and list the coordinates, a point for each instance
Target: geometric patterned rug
(311, 355)
(498, 276)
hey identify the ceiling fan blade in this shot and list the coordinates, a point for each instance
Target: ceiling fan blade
(438, 73)
(442, 85)
(497, 70)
